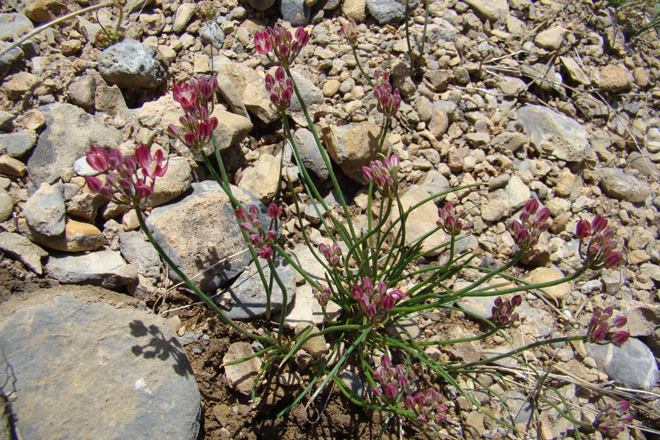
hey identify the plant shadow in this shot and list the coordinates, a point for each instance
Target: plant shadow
(159, 347)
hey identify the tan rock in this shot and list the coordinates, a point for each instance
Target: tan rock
(251, 86)
(175, 182)
(11, 167)
(551, 38)
(615, 78)
(241, 376)
(77, 237)
(438, 123)
(565, 183)
(19, 84)
(352, 146)
(547, 274)
(355, 9)
(41, 11)
(261, 178)
(316, 346)
(422, 220)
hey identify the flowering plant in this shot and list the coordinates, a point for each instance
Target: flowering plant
(376, 278)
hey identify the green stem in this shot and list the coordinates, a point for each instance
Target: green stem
(324, 154)
(364, 74)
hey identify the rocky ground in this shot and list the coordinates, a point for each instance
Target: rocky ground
(549, 99)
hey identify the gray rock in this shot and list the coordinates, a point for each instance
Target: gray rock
(200, 230)
(505, 201)
(9, 59)
(554, 134)
(295, 12)
(231, 96)
(481, 306)
(310, 154)
(632, 364)
(309, 92)
(6, 205)
(247, 295)
(45, 211)
(98, 358)
(131, 64)
(390, 11)
(211, 34)
(23, 249)
(17, 144)
(182, 17)
(140, 253)
(69, 133)
(103, 268)
(495, 10)
(621, 186)
(82, 92)
(14, 25)
(435, 183)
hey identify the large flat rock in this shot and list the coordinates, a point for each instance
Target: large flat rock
(87, 364)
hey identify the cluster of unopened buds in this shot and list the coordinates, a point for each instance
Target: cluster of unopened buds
(263, 240)
(450, 220)
(391, 380)
(375, 302)
(383, 174)
(613, 419)
(128, 179)
(196, 100)
(503, 311)
(600, 251)
(322, 294)
(599, 327)
(527, 230)
(350, 31)
(332, 253)
(388, 100)
(280, 88)
(279, 46)
(428, 407)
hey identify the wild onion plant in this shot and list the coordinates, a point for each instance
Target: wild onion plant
(368, 272)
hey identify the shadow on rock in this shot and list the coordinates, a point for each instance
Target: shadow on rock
(160, 348)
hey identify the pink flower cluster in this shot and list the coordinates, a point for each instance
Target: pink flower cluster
(375, 302)
(388, 101)
(262, 239)
(350, 31)
(600, 250)
(599, 328)
(450, 220)
(612, 420)
(322, 295)
(280, 88)
(503, 314)
(428, 407)
(527, 230)
(128, 179)
(196, 100)
(279, 46)
(383, 174)
(391, 380)
(332, 253)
